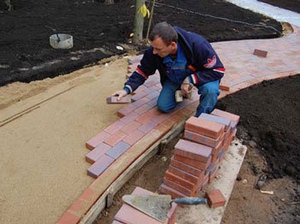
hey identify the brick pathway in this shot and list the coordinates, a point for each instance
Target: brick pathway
(141, 125)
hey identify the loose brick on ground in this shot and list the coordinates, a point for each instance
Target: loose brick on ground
(215, 198)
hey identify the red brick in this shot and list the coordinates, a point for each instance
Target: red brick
(217, 119)
(185, 167)
(129, 118)
(115, 138)
(97, 152)
(177, 187)
(116, 151)
(194, 163)
(187, 176)
(202, 139)
(133, 137)
(192, 150)
(114, 100)
(100, 165)
(260, 53)
(164, 189)
(180, 181)
(99, 138)
(224, 87)
(130, 215)
(215, 198)
(114, 127)
(204, 127)
(216, 151)
(68, 218)
(148, 115)
(233, 117)
(130, 127)
(147, 126)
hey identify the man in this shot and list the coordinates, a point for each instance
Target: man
(182, 58)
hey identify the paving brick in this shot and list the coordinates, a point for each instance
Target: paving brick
(130, 127)
(192, 162)
(216, 151)
(185, 175)
(100, 165)
(215, 198)
(146, 127)
(97, 152)
(260, 53)
(179, 180)
(164, 189)
(193, 150)
(68, 218)
(204, 127)
(186, 167)
(148, 115)
(116, 151)
(115, 138)
(130, 215)
(114, 100)
(133, 137)
(233, 117)
(114, 127)
(212, 170)
(129, 118)
(99, 138)
(202, 139)
(177, 187)
(221, 120)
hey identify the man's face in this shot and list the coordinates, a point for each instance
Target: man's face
(161, 49)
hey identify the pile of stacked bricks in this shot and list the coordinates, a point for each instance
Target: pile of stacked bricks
(129, 215)
(198, 155)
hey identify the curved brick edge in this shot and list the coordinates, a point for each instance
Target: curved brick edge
(242, 74)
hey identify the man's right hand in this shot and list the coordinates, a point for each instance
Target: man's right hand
(120, 94)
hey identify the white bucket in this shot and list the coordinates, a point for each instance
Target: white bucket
(61, 41)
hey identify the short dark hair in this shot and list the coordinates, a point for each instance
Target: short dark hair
(165, 31)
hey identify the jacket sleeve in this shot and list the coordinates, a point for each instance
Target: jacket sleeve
(208, 65)
(147, 67)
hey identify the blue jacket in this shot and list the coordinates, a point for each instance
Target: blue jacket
(202, 63)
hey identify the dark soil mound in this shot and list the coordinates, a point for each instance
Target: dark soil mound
(25, 53)
(269, 115)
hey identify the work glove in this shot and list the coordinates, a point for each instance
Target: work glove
(186, 86)
(120, 94)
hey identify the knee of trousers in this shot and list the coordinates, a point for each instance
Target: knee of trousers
(164, 108)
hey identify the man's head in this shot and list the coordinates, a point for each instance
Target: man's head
(163, 38)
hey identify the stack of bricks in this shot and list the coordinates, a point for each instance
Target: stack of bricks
(130, 215)
(198, 155)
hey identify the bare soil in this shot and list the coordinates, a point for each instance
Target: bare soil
(25, 53)
(269, 112)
